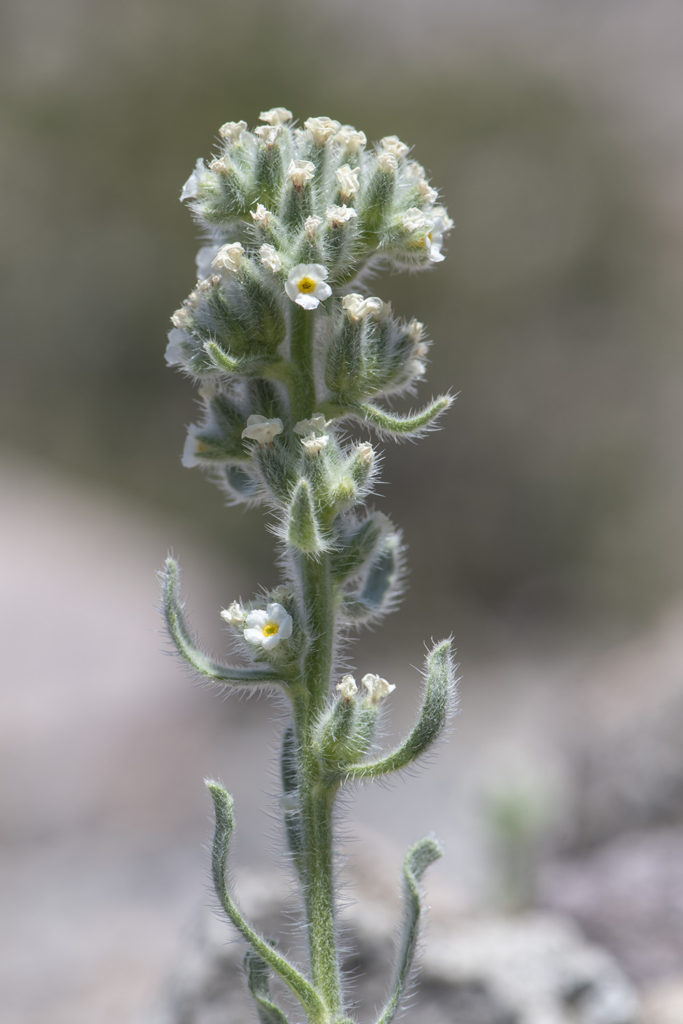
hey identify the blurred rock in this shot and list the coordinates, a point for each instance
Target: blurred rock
(534, 969)
(663, 1003)
(627, 754)
(627, 895)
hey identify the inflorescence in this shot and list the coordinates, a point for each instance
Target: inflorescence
(289, 352)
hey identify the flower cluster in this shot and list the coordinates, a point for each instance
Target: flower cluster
(317, 194)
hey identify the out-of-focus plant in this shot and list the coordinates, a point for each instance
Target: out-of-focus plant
(289, 358)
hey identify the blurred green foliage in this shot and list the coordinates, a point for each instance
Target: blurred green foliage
(552, 315)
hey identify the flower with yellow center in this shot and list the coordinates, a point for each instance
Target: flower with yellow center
(267, 627)
(307, 285)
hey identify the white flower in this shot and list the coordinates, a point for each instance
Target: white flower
(441, 223)
(307, 285)
(270, 257)
(365, 452)
(261, 216)
(315, 443)
(349, 137)
(357, 307)
(376, 687)
(347, 178)
(221, 166)
(231, 131)
(429, 194)
(191, 187)
(338, 215)
(261, 429)
(181, 318)
(300, 171)
(235, 615)
(268, 133)
(347, 687)
(387, 162)
(311, 225)
(421, 350)
(267, 628)
(392, 144)
(415, 220)
(203, 288)
(278, 115)
(376, 307)
(317, 423)
(321, 128)
(354, 306)
(229, 257)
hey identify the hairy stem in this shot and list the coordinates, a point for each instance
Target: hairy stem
(316, 798)
(302, 388)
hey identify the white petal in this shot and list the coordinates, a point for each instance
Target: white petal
(306, 301)
(257, 618)
(253, 636)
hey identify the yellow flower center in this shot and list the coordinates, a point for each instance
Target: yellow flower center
(271, 629)
(306, 284)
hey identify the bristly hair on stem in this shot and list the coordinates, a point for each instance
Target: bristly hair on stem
(289, 361)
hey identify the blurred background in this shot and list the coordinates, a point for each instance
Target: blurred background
(544, 520)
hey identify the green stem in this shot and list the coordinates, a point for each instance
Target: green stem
(302, 388)
(316, 797)
(310, 696)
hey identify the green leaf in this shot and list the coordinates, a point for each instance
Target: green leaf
(380, 587)
(186, 647)
(303, 531)
(225, 823)
(438, 701)
(404, 426)
(257, 971)
(418, 859)
(290, 803)
(223, 360)
(355, 545)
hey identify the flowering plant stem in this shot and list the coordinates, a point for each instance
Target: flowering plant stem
(278, 344)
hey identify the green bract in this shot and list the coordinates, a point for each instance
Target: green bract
(287, 356)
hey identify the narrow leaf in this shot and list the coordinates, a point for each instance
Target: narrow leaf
(418, 859)
(225, 823)
(405, 426)
(222, 360)
(290, 803)
(257, 971)
(438, 700)
(186, 646)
